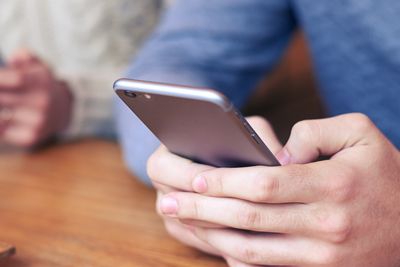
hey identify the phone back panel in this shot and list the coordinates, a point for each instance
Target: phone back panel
(199, 124)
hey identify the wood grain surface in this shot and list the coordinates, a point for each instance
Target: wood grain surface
(76, 205)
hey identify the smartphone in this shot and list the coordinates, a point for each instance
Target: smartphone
(197, 123)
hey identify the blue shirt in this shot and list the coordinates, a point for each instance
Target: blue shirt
(229, 45)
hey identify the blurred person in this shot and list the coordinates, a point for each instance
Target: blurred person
(60, 60)
(342, 211)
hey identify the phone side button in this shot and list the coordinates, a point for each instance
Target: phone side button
(248, 127)
(256, 138)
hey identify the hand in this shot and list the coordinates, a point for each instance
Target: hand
(339, 212)
(38, 105)
(168, 183)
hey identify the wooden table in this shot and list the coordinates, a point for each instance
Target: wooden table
(76, 205)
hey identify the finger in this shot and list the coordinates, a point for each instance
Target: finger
(267, 249)
(235, 263)
(290, 218)
(163, 188)
(11, 80)
(260, 184)
(188, 222)
(32, 76)
(196, 223)
(9, 99)
(20, 135)
(22, 57)
(325, 222)
(314, 138)
(36, 76)
(28, 117)
(265, 131)
(5, 119)
(25, 129)
(3, 128)
(186, 236)
(35, 100)
(169, 169)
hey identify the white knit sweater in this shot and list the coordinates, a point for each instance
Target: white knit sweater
(88, 43)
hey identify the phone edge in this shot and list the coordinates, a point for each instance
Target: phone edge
(174, 90)
(205, 94)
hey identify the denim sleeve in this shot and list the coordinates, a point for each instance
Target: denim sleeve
(226, 45)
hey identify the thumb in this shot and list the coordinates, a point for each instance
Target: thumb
(326, 137)
(265, 131)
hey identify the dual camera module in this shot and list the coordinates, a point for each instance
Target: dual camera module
(134, 95)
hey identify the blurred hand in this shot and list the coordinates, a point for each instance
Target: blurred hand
(339, 212)
(34, 104)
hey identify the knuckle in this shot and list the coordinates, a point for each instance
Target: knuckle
(196, 210)
(246, 253)
(305, 130)
(360, 122)
(336, 226)
(340, 228)
(249, 218)
(216, 183)
(265, 188)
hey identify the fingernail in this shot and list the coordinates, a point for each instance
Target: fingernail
(169, 206)
(199, 184)
(283, 156)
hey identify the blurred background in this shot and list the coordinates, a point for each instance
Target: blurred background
(60, 60)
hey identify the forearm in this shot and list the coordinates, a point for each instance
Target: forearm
(226, 45)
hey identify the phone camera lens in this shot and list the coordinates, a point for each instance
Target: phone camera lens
(130, 94)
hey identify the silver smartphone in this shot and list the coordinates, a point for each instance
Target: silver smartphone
(197, 123)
